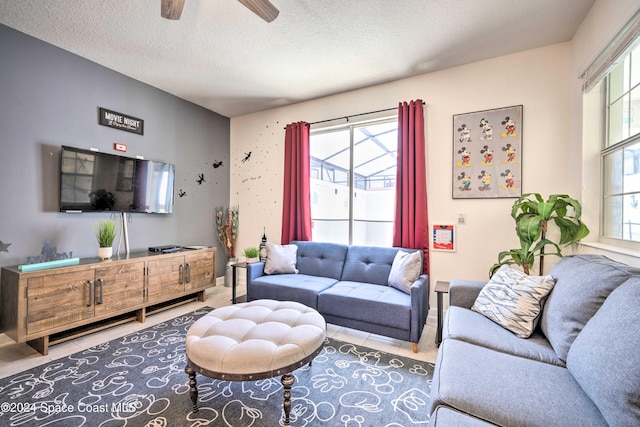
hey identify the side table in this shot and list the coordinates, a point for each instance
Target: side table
(234, 281)
(441, 288)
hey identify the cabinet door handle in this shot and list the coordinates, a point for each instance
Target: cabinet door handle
(188, 272)
(90, 283)
(100, 300)
(181, 274)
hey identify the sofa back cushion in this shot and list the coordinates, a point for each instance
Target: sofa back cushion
(604, 358)
(583, 282)
(320, 259)
(370, 264)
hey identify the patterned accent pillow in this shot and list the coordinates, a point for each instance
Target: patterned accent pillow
(281, 259)
(514, 300)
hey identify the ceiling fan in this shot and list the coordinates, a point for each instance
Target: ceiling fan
(172, 9)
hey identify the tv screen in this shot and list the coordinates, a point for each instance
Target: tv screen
(92, 181)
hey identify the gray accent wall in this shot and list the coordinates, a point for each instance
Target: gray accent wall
(50, 97)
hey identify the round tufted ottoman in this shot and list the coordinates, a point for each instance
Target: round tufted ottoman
(252, 341)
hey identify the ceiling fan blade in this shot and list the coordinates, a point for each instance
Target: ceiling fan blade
(171, 9)
(263, 8)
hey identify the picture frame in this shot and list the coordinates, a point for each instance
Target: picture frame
(487, 154)
(443, 237)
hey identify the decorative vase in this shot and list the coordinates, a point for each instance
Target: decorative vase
(228, 272)
(105, 253)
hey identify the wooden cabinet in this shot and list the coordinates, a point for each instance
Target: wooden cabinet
(119, 287)
(58, 299)
(187, 272)
(49, 306)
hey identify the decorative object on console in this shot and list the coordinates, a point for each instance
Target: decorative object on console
(106, 231)
(532, 215)
(48, 253)
(251, 254)
(48, 258)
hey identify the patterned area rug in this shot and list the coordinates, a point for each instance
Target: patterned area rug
(139, 380)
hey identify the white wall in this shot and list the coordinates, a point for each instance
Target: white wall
(545, 81)
(537, 79)
(600, 26)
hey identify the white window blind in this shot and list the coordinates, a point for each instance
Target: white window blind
(615, 51)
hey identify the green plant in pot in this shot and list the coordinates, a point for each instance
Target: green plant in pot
(106, 232)
(251, 254)
(533, 215)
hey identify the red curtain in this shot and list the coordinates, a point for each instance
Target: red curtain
(410, 225)
(296, 208)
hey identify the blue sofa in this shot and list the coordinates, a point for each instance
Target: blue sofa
(348, 285)
(581, 366)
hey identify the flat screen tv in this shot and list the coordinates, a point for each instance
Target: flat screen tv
(91, 181)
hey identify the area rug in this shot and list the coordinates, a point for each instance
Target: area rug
(139, 380)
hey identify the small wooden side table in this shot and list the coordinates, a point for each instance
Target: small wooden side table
(441, 288)
(234, 281)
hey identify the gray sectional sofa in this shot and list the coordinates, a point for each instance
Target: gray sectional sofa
(349, 286)
(581, 366)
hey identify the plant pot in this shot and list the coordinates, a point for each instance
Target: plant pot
(105, 253)
(252, 260)
(228, 272)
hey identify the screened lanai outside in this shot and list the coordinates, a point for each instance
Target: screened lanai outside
(353, 174)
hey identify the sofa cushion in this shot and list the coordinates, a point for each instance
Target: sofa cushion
(405, 270)
(605, 356)
(321, 259)
(281, 259)
(466, 325)
(583, 282)
(514, 299)
(508, 390)
(380, 304)
(290, 287)
(369, 264)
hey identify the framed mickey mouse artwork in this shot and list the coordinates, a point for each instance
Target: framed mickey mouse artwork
(487, 154)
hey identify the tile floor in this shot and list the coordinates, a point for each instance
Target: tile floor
(16, 357)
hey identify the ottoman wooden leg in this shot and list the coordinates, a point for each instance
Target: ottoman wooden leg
(287, 381)
(193, 387)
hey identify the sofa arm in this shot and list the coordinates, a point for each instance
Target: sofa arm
(254, 270)
(419, 306)
(463, 293)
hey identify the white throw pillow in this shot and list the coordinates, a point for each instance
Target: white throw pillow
(514, 300)
(281, 259)
(405, 270)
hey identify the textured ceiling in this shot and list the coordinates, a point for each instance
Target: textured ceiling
(223, 57)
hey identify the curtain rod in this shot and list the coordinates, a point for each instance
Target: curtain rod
(355, 115)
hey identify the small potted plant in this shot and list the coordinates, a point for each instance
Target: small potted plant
(105, 234)
(251, 254)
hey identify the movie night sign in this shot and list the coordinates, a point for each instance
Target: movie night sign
(120, 121)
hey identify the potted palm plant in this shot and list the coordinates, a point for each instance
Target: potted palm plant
(105, 234)
(533, 215)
